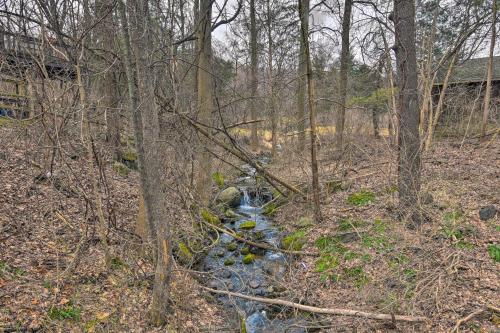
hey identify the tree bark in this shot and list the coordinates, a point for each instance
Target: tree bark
(409, 137)
(344, 68)
(301, 93)
(303, 13)
(253, 76)
(154, 186)
(205, 98)
(107, 95)
(487, 94)
(271, 107)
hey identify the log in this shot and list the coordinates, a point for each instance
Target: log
(330, 311)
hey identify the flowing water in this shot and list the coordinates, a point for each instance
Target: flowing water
(261, 277)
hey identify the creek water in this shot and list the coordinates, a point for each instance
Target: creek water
(260, 277)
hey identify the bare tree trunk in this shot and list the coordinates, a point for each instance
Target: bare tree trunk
(487, 94)
(301, 94)
(154, 185)
(393, 111)
(303, 13)
(253, 76)
(108, 85)
(376, 131)
(205, 98)
(409, 138)
(87, 141)
(344, 68)
(271, 106)
(435, 114)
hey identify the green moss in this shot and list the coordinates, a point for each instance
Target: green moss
(361, 198)
(248, 259)
(494, 252)
(229, 262)
(348, 224)
(117, 263)
(270, 209)
(218, 179)
(184, 252)
(247, 225)
(259, 235)
(232, 246)
(294, 241)
(245, 250)
(69, 311)
(229, 213)
(129, 155)
(329, 244)
(209, 217)
(358, 274)
(121, 169)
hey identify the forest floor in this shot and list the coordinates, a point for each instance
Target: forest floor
(444, 270)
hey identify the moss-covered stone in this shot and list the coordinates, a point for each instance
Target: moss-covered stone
(184, 253)
(218, 179)
(209, 217)
(129, 155)
(245, 250)
(229, 262)
(121, 169)
(248, 225)
(248, 259)
(229, 213)
(294, 241)
(230, 197)
(232, 246)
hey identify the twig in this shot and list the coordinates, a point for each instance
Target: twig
(331, 311)
(472, 315)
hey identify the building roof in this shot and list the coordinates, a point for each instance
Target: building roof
(470, 71)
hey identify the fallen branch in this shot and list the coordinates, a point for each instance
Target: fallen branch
(331, 311)
(472, 315)
(240, 155)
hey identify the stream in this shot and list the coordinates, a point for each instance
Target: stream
(232, 269)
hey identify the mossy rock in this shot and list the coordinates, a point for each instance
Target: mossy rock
(245, 250)
(259, 235)
(248, 259)
(230, 214)
(230, 197)
(184, 253)
(294, 241)
(129, 155)
(232, 246)
(121, 169)
(209, 217)
(229, 262)
(248, 225)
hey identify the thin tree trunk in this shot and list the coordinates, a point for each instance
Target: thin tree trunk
(301, 94)
(344, 68)
(154, 189)
(303, 13)
(435, 114)
(87, 141)
(205, 98)
(393, 112)
(487, 94)
(376, 131)
(108, 85)
(271, 106)
(409, 138)
(253, 76)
